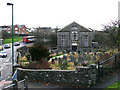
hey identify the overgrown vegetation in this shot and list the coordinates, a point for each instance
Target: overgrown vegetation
(38, 51)
(115, 85)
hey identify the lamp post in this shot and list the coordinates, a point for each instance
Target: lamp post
(10, 4)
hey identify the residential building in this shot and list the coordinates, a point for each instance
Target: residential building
(3, 27)
(74, 37)
(18, 29)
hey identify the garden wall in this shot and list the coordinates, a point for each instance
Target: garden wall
(82, 76)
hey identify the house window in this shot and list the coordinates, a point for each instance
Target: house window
(16, 28)
(86, 40)
(8, 31)
(63, 36)
(8, 28)
(74, 35)
(63, 43)
(16, 32)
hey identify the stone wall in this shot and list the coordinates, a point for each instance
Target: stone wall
(82, 76)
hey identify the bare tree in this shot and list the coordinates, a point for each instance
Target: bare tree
(111, 31)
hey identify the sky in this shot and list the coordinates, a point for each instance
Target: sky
(59, 13)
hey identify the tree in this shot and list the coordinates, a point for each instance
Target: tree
(6, 35)
(38, 52)
(111, 31)
(53, 39)
(100, 37)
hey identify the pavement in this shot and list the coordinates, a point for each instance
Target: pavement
(114, 78)
(38, 85)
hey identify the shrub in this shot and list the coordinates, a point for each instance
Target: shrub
(38, 51)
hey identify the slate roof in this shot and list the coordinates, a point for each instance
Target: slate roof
(3, 26)
(68, 28)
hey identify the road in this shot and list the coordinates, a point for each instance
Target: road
(6, 63)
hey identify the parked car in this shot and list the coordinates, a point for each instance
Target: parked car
(7, 46)
(3, 54)
(1, 48)
(16, 44)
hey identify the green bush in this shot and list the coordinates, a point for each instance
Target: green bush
(115, 85)
(38, 51)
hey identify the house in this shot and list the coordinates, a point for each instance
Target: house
(18, 29)
(3, 27)
(74, 37)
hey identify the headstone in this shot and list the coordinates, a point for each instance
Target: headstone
(92, 50)
(59, 60)
(79, 60)
(70, 57)
(104, 51)
(96, 50)
(57, 52)
(64, 57)
(73, 53)
(55, 58)
(53, 61)
(78, 52)
(64, 51)
(52, 52)
(94, 57)
(95, 53)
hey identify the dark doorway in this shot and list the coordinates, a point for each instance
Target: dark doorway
(74, 48)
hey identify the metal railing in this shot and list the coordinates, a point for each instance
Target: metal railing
(108, 66)
(15, 84)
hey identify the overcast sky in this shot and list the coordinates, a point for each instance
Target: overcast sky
(52, 13)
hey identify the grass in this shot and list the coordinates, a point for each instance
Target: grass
(16, 38)
(115, 85)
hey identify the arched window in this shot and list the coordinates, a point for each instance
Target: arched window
(74, 35)
(74, 28)
(63, 37)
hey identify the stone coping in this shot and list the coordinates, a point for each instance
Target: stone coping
(42, 70)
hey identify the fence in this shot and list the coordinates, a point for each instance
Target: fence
(108, 66)
(16, 85)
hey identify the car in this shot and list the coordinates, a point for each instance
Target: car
(1, 48)
(7, 46)
(16, 44)
(3, 54)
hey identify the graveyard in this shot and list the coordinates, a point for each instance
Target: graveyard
(84, 57)
(80, 69)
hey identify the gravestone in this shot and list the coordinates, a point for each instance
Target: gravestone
(92, 50)
(57, 52)
(94, 57)
(95, 53)
(97, 50)
(55, 58)
(64, 57)
(52, 52)
(53, 61)
(80, 59)
(64, 51)
(78, 52)
(73, 53)
(59, 60)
